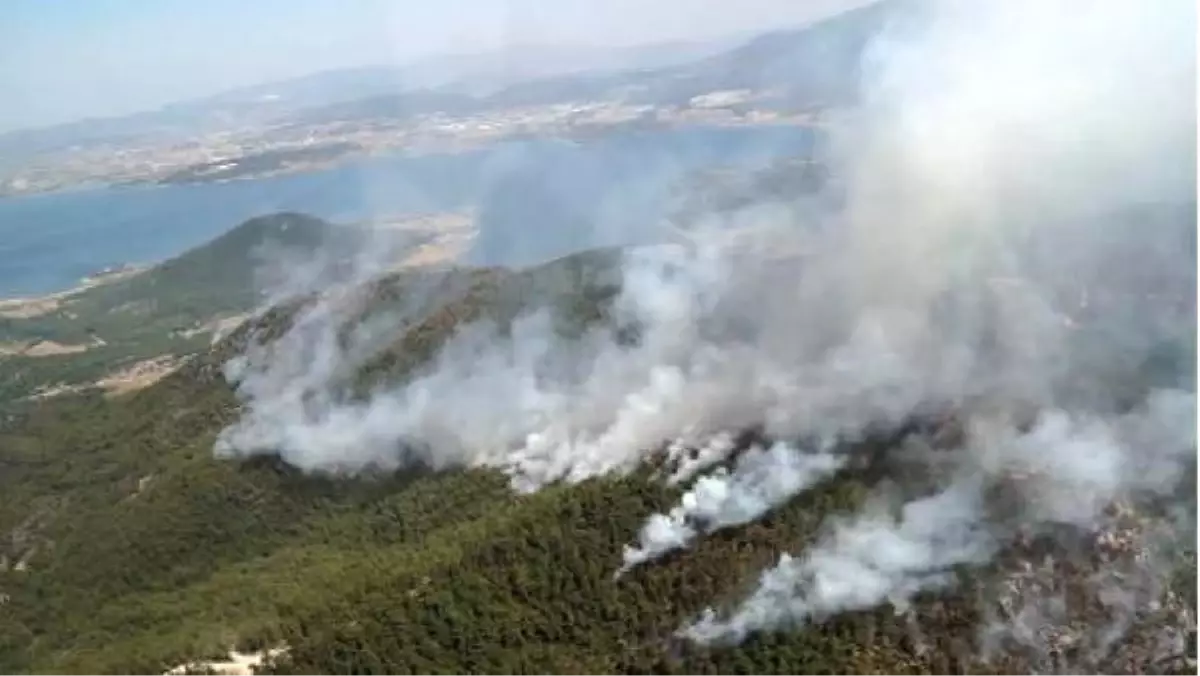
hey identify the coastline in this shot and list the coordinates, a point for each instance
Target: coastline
(191, 174)
(28, 307)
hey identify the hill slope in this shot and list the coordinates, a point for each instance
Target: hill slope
(949, 427)
(170, 309)
(131, 548)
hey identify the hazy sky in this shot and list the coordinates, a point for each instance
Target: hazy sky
(80, 58)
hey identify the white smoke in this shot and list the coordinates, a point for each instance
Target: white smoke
(986, 262)
(690, 462)
(762, 480)
(999, 122)
(863, 562)
(1065, 470)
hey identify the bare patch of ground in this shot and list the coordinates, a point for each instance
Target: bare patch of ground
(426, 222)
(140, 486)
(129, 379)
(219, 326)
(47, 348)
(27, 308)
(237, 663)
(445, 248)
(137, 376)
(452, 234)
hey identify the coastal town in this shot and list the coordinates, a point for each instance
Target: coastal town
(291, 146)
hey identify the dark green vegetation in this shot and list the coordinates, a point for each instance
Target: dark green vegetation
(139, 551)
(161, 311)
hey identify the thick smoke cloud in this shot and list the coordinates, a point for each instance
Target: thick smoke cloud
(995, 130)
(1065, 470)
(1016, 246)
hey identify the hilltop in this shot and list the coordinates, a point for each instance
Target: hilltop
(173, 308)
(142, 319)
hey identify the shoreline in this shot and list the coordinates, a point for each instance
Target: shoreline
(30, 306)
(419, 148)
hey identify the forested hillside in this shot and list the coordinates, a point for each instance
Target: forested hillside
(923, 403)
(130, 548)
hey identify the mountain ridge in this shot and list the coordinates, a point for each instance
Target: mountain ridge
(159, 554)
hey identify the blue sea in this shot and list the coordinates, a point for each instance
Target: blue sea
(49, 241)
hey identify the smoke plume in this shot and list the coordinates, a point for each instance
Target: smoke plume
(862, 563)
(1016, 245)
(762, 480)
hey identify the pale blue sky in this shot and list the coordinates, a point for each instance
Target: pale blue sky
(67, 59)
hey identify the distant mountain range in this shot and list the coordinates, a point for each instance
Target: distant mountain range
(453, 76)
(449, 76)
(809, 66)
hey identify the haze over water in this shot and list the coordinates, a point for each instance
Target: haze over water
(49, 241)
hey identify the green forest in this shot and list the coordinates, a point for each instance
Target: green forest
(127, 547)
